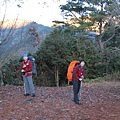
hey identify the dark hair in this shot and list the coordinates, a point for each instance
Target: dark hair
(82, 61)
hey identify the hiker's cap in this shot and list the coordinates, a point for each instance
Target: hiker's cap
(25, 55)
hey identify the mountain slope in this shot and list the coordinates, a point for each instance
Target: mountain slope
(21, 39)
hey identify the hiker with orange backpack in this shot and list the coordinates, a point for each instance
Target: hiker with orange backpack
(78, 75)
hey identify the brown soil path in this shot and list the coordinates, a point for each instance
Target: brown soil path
(52, 103)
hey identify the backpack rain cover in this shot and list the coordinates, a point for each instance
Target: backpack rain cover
(70, 69)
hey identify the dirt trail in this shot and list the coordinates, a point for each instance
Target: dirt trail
(52, 103)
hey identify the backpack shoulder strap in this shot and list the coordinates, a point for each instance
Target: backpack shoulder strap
(28, 62)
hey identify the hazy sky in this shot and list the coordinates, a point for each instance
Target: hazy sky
(34, 10)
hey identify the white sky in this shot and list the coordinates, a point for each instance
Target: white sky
(31, 10)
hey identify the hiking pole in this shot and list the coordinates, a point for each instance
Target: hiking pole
(81, 91)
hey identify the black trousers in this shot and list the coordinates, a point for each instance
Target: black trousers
(76, 88)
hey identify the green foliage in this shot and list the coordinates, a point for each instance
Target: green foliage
(112, 77)
(114, 41)
(57, 51)
(111, 61)
(69, 43)
(11, 73)
(45, 76)
(108, 77)
(54, 53)
(79, 11)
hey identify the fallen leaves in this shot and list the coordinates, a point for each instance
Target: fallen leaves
(56, 103)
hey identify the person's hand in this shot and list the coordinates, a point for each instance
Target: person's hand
(22, 71)
(80, 79)
(24, 66)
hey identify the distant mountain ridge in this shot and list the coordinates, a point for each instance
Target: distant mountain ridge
(21, 39)
(16, 23)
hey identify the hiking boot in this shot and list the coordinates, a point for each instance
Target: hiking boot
(78, 102)
(33, 95)
(26, 94)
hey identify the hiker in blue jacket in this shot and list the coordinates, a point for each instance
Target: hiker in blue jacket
(78, 75)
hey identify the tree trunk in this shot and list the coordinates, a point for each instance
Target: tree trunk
(101, 44)
(1, 79)
(56, 76)
(57, 80)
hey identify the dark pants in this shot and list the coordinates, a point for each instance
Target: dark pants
(76, 88)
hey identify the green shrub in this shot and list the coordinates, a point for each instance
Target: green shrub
(11, 73)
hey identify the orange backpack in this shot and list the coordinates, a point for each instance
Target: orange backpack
(70, 69)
